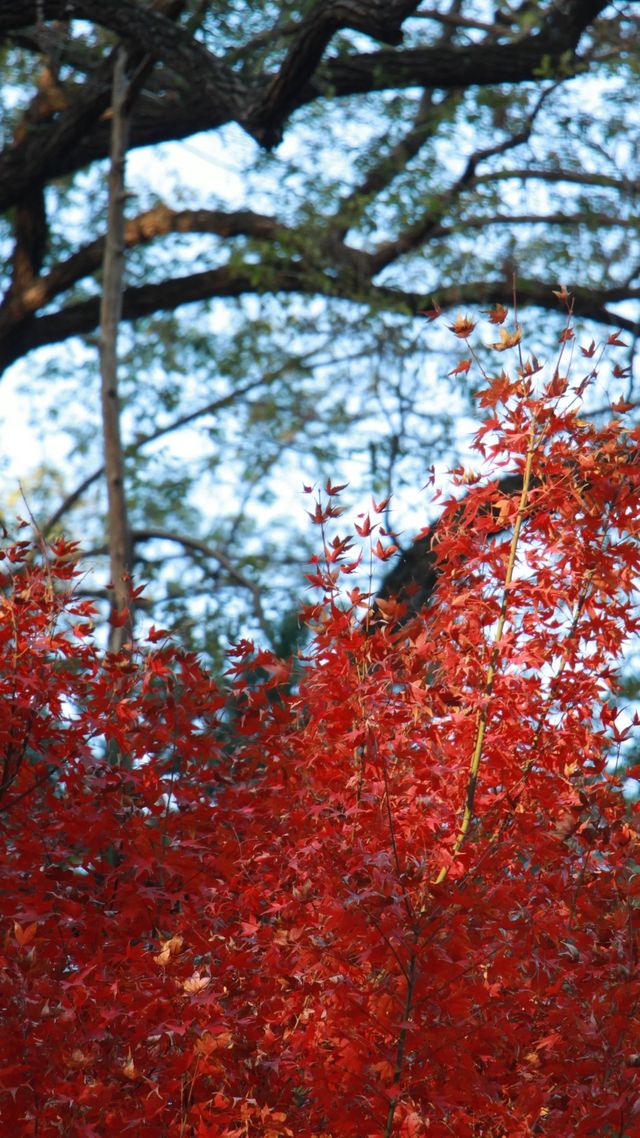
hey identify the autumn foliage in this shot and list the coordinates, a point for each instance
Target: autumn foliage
(393, 892)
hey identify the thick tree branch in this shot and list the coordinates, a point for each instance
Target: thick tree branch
(292, 277)
(537, 57)
(150, 32)
(214, 95)
(148, 226)
(380, 19)
(30, 221)
(145, 300)
(34, 159)
(31, 238)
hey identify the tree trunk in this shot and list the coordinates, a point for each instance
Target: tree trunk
(119, 535)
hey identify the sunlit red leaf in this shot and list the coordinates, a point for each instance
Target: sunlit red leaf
(462, 327)
(462, 368)
(498, 314)
(432, 313)
(508, 339)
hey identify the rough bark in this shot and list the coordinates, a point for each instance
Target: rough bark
(286, 277)
(118, 530)
(67, 127)
(215, 95)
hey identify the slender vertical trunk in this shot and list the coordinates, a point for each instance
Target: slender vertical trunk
(119, 534)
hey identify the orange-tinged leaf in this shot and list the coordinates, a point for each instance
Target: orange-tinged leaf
(508, 339)
(412, 1125)
(432, 313)
(24, 936)
(621, 405)
(196, 983)
(128, 1069)
(558, 385)
(383, 554)
(462, 326)
(78, 1059)
(462, 368)
(170, 948)
(498, 314)
(365, 528)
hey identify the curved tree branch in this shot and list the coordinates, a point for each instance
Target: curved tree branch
(148, 226)
(215, 95)
(195, 545)
(427, 225)
(351, 282)
(380, 19)
(575, 177)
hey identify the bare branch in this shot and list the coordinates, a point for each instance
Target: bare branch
(390, 164)
(575, 177)
(210, 408)
(452, 20)
(426, 226)
(566, 220)
(353, 283)
(157, 222)
(195, 545)
(120, 548)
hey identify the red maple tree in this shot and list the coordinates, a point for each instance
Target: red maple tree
(395, 893)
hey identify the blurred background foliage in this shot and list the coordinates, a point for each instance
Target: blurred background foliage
(274, 277)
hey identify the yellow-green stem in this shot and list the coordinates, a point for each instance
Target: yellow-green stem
(483, 714)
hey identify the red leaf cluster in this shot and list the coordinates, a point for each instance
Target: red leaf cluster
(303, 908)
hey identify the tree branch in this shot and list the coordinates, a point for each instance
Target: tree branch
(34, 159)
(380, 19)
(386, 167)
(536, 57)
(150, 32)
(575, 177)
(571, 220)
(153, 223)
(181, 421)
(145, 300)
(428, 224)
(352, 283)
(120, 547)
(215, 95)
(195, 545)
